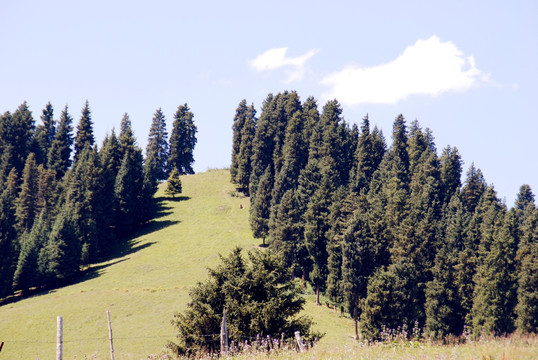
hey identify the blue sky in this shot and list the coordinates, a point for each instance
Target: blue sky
(465, 69)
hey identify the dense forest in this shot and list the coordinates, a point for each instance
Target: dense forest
(390, 234)
(65, 202)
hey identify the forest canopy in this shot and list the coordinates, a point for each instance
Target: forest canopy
(65, 202)
(392, 234)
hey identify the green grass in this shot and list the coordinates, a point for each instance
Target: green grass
(149, 280)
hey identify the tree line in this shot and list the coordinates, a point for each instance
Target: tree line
(65, 202)
(390, 234)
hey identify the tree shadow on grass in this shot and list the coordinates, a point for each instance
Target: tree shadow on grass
(123, 247)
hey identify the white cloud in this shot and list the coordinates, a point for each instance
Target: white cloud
(429, 67)
(276, 58)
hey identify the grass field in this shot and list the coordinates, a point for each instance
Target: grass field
(149, 280)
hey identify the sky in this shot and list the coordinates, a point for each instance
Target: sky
(467, 70)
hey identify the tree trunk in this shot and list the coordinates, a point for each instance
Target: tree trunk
(317, 295)
(263, 241)
(356, 322)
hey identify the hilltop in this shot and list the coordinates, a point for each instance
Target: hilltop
(146, 282)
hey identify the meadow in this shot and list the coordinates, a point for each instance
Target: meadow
(149, 278)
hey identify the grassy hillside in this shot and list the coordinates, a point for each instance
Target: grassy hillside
(145, 283)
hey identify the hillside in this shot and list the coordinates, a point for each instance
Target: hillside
(145, 283)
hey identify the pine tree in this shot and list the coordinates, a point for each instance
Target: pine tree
(474, 187)
(262, 146)
(450, 172)
(27, 209)
(444, 312)
(237, 128)
(157, 148)
(174, 184)
(28, 272)
(343, 208)
(9, 245)
(358, 260)
(45, 134)
(389, 301)
(244, 165)
(59, 158)
(21, 131)
(61, 256)
(182, 141)
(295, 153)
(527, 255)
(316, 228)
(495, 287)
(128, 187)
(84, 135)
(367, 158)
(260, 208)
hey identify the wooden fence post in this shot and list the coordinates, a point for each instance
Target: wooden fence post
(59, 338)
(224, 334)
(302, 346)
(110, 335)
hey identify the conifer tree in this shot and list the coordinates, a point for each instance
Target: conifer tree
(45, 134)
(367, 158)
(389, 301)
(343, 209)
(28, 273)
(287, 235)
(316, 228)
(157, 147)
(237, 128)
(295, 155)
(9, 245)
(129, 182)
(173, 186)
(527, 255)
(450, 172)
(358, 260)
(495, 289)
(61, 256)
(84, 135)
(473, 189)
(262, 145)
(20, 135)
(182, 141)
(59, 158)
(444, 312)
(260, 208)
(244, 165)
(27, 209)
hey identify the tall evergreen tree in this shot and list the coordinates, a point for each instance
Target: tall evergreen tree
(157, 148)
(9, 245)
(84, 135)
(473, 189)
(358, 260)
(316, 230)
(26, 210)
(182, 141)
(59, 158)
(244, 165)
(450, 172)
(20, 135)
(527, 255)
(444, 312)
(260, 208)
(495, 287)
(237, 128)
(45, 134)
(262, 145)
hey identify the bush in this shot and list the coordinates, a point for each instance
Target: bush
(261, 298)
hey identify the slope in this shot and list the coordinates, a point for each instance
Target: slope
(146, 283)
